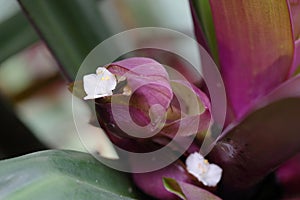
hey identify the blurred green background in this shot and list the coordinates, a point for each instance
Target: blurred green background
(31, 84)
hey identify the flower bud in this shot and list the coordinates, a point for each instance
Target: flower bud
(135, 99)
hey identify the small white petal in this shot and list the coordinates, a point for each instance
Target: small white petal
(99, 85)
(208, 174)
(213, 175)
(89, 83)
(192, 163)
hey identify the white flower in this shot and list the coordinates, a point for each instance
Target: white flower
(100, 84)
(198, 166)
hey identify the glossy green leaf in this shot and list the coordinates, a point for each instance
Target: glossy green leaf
(70, 28)
(62, 175)
(15, 35)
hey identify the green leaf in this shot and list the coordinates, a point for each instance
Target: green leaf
(70, 28)
(58, 174)
(15, 35)
(187, 191)
(203, 11)
(172, 186)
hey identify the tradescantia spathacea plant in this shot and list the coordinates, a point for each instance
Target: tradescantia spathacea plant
(256, 45)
